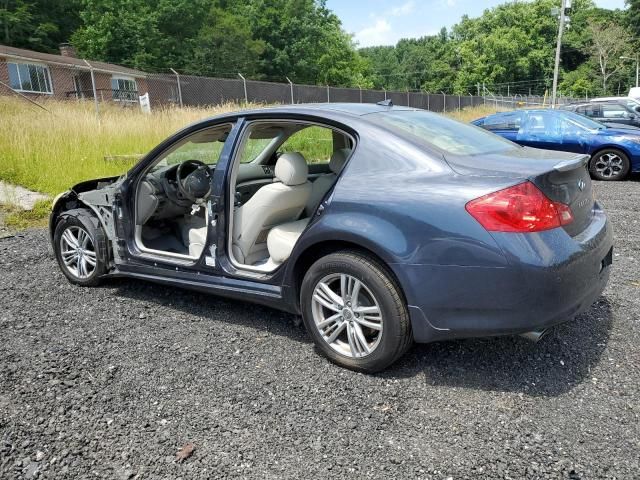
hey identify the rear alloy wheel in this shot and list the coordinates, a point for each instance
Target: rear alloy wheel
(347, 315)
(75, 243)
(609, 165)
(354, 312)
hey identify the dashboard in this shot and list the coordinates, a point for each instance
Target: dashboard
(159, 195)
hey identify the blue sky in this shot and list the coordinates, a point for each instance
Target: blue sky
(384, 22)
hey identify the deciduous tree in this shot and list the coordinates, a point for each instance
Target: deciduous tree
(609, 42)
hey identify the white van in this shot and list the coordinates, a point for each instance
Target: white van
(635, 92)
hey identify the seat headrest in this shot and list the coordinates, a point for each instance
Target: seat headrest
(292, 169)
(338, 159)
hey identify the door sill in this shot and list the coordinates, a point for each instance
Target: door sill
(149, 253)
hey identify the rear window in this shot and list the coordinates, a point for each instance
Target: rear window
(441, 132)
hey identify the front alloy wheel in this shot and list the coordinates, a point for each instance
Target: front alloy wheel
(355, 312)
(76, 243)
(78, 252)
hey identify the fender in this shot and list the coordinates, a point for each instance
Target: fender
(97, 195)
(622, 148)
(92, 224)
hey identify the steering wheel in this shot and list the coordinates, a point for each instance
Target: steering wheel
(195, 185)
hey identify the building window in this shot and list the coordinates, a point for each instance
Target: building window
(124, 89)
(27, 77)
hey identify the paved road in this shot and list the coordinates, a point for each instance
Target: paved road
(111, 382)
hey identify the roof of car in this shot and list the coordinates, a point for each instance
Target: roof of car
(608, 99)
(530, 110)
(356, 109)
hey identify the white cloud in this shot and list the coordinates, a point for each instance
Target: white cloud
(377, 34)
(404, 9)
(612, 4)
(388, 27)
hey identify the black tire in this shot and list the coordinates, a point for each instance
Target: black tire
(74, 221)
(616, 171)
(396, 336)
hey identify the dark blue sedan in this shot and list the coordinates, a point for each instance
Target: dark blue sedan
(614, 150)
(380, 225)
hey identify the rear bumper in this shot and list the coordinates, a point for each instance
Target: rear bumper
(550, 278)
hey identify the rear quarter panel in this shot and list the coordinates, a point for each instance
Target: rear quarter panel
(407, 207)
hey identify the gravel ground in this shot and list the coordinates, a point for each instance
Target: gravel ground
(111, 382)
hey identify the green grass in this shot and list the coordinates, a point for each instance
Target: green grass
(49, 152)
(315, 144)
(18, 219)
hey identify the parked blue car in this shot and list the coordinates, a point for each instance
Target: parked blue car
(380, 225)
(614, 150)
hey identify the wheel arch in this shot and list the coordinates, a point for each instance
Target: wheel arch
(601, 148)
(69, 201)
(315, 251)
(65, 201)
(87, 217)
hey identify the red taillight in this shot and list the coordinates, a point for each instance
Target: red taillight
(521, 208)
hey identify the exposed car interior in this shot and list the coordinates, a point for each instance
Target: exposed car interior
(301, 162)
(281, 173)
(171, 200)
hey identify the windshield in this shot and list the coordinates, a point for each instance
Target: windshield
(584, 121)
(441, 132)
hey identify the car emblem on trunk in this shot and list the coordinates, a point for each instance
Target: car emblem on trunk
(581, 184)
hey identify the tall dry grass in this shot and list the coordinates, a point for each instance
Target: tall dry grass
(470, 114)
(49, 152)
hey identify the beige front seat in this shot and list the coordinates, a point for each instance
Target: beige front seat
(323, 183)
(272, 205)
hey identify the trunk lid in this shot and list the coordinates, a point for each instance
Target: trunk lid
(563, 177)
(569, 183)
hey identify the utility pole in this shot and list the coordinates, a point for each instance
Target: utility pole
(556, 70)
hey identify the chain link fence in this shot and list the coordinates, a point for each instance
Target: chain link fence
(101, 82)
(188, 90)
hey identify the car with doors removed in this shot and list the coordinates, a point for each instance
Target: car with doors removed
(613, 151)
(610, 113)
(380, 225)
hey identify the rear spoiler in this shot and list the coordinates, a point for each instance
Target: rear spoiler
(572, 164)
